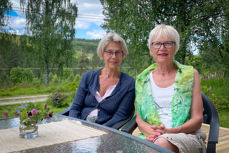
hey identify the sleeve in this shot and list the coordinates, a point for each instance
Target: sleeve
(125, 108)
(78, 102)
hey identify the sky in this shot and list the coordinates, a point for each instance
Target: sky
(88, 22)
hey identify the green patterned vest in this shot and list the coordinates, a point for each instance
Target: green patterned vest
(181, 100)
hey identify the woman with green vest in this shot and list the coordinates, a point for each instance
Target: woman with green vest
(168, 97)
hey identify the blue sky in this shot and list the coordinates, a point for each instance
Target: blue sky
(12, 13)
(87, 25)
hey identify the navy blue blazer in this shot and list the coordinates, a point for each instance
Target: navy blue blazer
(116, 107)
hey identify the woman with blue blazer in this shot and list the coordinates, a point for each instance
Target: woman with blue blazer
(106, 96)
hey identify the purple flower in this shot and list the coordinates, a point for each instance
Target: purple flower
(29, 114)
(5, 114)
(46, 107)
(50, 115)
(17, 113)
(34, 111)
(22, 107)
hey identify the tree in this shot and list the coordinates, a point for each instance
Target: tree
(50, 23)
(214, 41)
(5, 7)
(135, 19)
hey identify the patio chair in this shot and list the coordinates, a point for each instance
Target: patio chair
(210, 116)
(116, 126)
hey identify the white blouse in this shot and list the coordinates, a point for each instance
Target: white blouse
(162, 98)
(99, 98)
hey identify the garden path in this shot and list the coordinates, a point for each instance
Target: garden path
(22, 99)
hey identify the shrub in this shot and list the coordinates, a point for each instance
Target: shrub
(57, 99)
(18, 75)
(55, 79)
(220, 102)
(67, 75)
(28, 75)
(36, 82)
(77, 78)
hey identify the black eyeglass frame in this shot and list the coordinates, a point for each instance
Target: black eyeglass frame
(166, 44)
(111, 53)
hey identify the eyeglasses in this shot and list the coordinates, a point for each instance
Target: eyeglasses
(111, 53)
(167, 44)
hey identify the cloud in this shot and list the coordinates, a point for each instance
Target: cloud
(16, 3)
(89, 13)
(82, 25)
(16, 32)
(17, 22)
(96, 34)
(17, 7)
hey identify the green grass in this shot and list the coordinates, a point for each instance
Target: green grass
(218, 92)
(19, 91)
(11, 108)
(223, 118)
(219, 87)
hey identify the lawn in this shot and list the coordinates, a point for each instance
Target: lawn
(223, 118)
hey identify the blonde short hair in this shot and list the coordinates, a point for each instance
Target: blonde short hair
(165, 31)
(111, 37)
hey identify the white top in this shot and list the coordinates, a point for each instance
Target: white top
(99, 98)
(162, 98)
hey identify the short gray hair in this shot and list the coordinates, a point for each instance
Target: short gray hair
(166, 31)
(111, 37)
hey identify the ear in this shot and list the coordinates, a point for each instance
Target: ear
(102, 57)
(151, 52)
(123, 56)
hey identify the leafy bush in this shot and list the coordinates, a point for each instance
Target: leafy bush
(28, 75)
(217, 91)
(18, 75)
(36, 82)
(53, 78)
(67, 75)
(57, 99)
(77, 78)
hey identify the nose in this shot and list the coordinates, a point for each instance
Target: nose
(113, 55)
(162, 46)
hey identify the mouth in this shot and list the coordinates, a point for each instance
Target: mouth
(113, 62)
(163, 54)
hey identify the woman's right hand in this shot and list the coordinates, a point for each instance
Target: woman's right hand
(149, 130)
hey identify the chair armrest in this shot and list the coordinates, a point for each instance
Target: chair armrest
(123, 122)
(120, 124)
(65, 112)
(130, 126)
(214, 124)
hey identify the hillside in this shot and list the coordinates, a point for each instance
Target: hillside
(88, 46)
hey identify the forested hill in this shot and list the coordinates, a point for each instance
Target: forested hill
(25, 52)
(89, 46)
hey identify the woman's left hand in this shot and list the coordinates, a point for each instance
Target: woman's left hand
(158, 130)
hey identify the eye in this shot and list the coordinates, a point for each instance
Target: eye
(109, 52)
(168, 43)
(157, 44)
(117, 53)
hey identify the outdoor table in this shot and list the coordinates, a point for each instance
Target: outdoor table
(101, 139)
